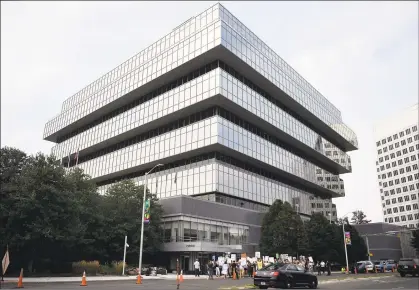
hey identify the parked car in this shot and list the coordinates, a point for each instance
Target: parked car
(390, 265)
(284, 275)
(379, 266)
(408, 266)
(362, 267)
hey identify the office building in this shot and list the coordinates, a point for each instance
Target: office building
(234, 125)
(387, 241)
(397, 142)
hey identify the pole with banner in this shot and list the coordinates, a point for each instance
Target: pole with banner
(147, 211)
(345, 242)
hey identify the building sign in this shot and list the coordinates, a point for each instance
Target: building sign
(347, 238)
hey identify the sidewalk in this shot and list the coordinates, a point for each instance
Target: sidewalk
(169, 276)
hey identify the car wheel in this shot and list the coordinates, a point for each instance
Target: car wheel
(288, 284)
(313, 284)
(402, 274)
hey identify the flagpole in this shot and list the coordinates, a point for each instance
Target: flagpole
(125, 254)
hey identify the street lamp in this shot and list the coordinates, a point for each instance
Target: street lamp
(142, 219)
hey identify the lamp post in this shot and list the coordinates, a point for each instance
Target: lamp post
(142, 219)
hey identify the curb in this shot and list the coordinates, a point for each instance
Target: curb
(100, 279)
(320, 282)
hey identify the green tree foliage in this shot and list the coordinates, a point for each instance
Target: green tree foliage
(123, 204)
(51, 217)
(325, 239)
(357, 251)
(415, 240)
(282, 231)
(359, 218)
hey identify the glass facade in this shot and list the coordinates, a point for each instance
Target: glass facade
(192, 229)
(210, 151)
(223, 176)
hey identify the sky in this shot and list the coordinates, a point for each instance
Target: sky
(362, 56)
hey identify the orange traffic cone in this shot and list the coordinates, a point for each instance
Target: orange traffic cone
(181, 276)
(83, 279)
(139, 280)
(20, 281)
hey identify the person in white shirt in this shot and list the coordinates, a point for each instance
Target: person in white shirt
(322, 266)
(196, 267)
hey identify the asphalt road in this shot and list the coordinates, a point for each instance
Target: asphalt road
(366, 282)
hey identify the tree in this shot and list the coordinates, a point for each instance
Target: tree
(324, 239)
(43, 220)
(415, 240)
(359, 218)
(50, 217)
(357, 250)
(282, 231)
(341, 221)
(122, 207)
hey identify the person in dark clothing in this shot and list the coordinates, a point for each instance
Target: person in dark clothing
(234, 269)
(328, 266)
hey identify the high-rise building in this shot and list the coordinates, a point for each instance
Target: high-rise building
(233, 124)
(397, 143)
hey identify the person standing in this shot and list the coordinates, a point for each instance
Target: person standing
(322, 266)
(196, 267)
(328, 266)
(210, 267)
(225, 270)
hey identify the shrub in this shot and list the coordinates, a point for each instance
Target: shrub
(118, 265)
(91, 267)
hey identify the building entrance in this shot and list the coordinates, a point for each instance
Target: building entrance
(185, 263)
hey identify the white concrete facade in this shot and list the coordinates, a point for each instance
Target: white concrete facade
(397, 142)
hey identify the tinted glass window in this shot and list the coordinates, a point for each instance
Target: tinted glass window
(406, 262)
(272, 267)
(291, 268)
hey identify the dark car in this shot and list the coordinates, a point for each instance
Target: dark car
(409, 266)
(280, 275)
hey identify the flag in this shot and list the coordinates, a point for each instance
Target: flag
(175, 180)
(76, 157)
(147, 211)
(69, 159)
(5, 262)
(127, 245)
(348, 238)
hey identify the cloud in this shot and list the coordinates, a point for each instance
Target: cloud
(361, 55)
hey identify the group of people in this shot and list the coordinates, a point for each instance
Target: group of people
(224, 269)
(323, 267)
(243, 269)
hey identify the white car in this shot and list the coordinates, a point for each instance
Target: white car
(366, 266)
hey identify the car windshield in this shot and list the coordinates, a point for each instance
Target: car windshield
(377, 263)
(272, 267)
(406, 262)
